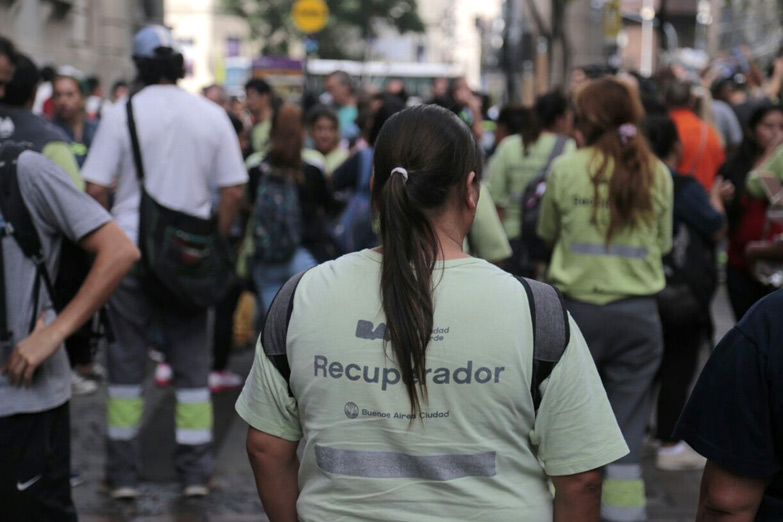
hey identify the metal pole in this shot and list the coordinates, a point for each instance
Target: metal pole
(648, 44)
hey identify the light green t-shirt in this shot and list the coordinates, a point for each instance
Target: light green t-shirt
(510, 172)
(774, 165)
(487, 239)
(479, 453)
(328, 162)
(583, 267)
(59, 152)
(259, 136)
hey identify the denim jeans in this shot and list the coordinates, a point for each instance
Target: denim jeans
(270, 277)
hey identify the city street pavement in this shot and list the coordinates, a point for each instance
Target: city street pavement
(672, 496)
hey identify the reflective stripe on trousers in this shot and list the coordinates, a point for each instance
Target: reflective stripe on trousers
(124, 408)
(623, 498)
(194, 416)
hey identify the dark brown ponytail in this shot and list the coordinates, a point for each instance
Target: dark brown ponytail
(438, 152)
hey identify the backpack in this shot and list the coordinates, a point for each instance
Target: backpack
(529, 248)
(353, 230)
(690, 269)
(277, 216)
(19, 224)
(75, 262)
(186, 265)
(551, 331)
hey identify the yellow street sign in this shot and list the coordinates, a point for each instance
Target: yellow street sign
(310, 16)
(612, 20)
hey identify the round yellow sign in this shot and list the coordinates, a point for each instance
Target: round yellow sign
(310, 16)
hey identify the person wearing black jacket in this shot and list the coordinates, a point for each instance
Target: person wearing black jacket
(699, 221)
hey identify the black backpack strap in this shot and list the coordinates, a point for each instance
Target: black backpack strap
(134, 140)
(551, 332)
(275, 330)
(557, 150)
(6, 336)
(19, 224)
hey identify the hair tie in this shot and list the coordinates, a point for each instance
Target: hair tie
(626, 131)
(400, 170)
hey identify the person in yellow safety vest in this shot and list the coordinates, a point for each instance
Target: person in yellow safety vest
(607, 211)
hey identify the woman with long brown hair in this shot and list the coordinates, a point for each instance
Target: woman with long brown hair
(286, 231)
(407, 371)
(608, 212)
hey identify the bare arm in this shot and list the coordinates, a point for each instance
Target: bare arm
(275, 466)
(477, 127)
(500, 212)
(115, 255)
(228, 207)
(99, 193)
(776, 80)
(763, 250)
(578, 497)
(726, 497)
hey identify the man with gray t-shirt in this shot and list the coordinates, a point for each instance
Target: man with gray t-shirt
(36, 381)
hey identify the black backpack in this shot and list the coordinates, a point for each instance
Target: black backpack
(690, 269)
(75, 262)
(528, 248)
(551, 331)
(186, 264)
(277, 216)
(19, 224)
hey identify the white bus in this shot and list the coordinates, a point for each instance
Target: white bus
(417, 77)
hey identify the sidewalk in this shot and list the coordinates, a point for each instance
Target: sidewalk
(672, 496)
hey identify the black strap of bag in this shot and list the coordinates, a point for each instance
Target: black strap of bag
(551, 332)
(19, 224)
(135, 143)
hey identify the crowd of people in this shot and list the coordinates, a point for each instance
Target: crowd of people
(395, 264)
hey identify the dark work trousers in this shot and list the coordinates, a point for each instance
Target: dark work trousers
(186, 340)
(224, 328)
(744, 290)
(35, 467)
(681, 346)
(626, 343)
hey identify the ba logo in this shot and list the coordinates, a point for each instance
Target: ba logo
(351, 410)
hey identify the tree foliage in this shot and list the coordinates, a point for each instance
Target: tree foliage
(349, 21)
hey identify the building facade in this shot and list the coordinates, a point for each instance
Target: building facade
(208, 39)
(452, 36)
(94, 36)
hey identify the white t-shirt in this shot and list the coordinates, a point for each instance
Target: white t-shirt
(187, 146)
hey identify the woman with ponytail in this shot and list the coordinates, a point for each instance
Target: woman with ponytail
(406, 371)
(608, 212)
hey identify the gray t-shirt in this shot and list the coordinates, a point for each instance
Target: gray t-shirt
(727, 123)
(57, 209)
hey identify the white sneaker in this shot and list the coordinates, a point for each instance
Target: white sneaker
(81, 385)
(225, 381)
(126, 493)
(98, 372)
(196, 491)
(163, 375)
(156, 355)
(680, 457)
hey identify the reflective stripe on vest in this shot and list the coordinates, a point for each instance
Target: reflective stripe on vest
(601, 249)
